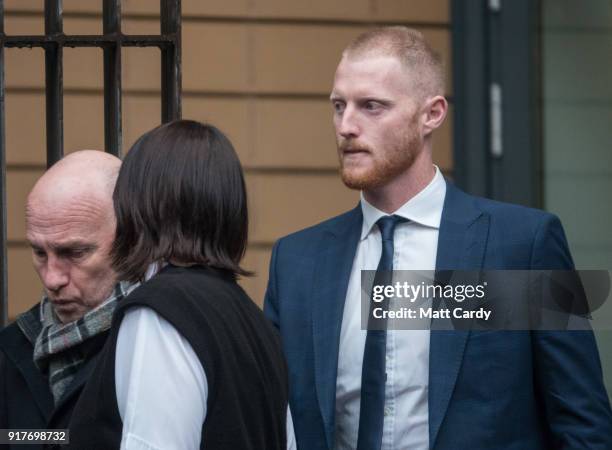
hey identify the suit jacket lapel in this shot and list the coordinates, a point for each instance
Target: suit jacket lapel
(461, 246)
(336, 252)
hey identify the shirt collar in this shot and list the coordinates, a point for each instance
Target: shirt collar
(425, 208)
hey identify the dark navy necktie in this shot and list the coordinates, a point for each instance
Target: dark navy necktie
(373, 373)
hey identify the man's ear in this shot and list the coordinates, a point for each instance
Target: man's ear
(434, 113)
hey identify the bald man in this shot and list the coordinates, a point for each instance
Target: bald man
(47, 354)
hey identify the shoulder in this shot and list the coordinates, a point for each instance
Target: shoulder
(303, 239)
(515, 223)
(534, 237)
(8, 333)
(143, 328)
(513, 212)
(188, 297)
(518, 220)
(12, 339)
(16, 353)
(501, 214)
(181, 281)
(11, 334)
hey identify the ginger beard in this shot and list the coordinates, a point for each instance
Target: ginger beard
(383, 164)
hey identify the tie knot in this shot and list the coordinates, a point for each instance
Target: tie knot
(386, 225)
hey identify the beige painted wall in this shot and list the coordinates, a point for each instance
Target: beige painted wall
(260, 70)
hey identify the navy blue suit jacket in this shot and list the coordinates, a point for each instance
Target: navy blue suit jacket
(488, 389)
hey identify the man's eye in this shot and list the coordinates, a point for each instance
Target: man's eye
(372, 106)
(77, 253)
(338, 107)
(73, 253)
(39, 253)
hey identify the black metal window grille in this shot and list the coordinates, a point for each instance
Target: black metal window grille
(111, 41)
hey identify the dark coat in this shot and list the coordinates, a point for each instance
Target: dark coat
(25, 397)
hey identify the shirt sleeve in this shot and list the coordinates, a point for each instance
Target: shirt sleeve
(160, 384)
(291, 444)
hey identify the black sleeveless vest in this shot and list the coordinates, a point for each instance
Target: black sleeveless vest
(238, 348)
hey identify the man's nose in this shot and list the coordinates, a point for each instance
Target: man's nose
(55, 275)
(347, 126)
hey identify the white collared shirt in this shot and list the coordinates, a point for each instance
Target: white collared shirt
(406, 421)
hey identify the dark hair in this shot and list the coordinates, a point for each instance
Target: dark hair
(180, 196)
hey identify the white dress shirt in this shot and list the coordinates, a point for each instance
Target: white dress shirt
(406, 421)
(161, 386)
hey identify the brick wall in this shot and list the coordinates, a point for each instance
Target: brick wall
(260, 70)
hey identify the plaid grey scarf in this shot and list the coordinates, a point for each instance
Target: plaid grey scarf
(60, 349)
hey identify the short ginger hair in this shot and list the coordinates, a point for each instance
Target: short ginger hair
(410, 47)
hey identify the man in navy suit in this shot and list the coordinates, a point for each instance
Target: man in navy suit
(420, 389)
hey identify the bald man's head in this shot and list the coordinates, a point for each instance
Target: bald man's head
(88, 173)
(70, 224)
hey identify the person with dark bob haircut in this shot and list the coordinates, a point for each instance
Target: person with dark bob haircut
(190, 362)
(181, 197)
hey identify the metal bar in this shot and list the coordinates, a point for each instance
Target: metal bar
(470, 83)
(495, 69)
(170, 15)
(54, 83)
(112, 77)
(3, 204)
(87, 41)
(495, 120)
